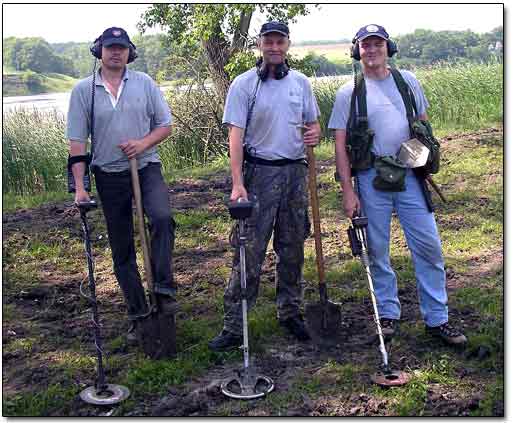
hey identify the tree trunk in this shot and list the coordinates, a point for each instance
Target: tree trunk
(218, 56)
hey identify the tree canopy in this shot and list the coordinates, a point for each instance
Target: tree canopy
(219, 32)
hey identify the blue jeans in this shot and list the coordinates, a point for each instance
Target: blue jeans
(423, 241)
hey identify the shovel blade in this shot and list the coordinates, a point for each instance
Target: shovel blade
(157, 335)
(323, 319)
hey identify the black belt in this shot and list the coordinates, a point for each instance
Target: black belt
(279, 162)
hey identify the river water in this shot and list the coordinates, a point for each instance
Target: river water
(60, 101)
(40, 102)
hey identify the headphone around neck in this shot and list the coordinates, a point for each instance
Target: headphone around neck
(96, 50)
(355, 49)
(280, 71)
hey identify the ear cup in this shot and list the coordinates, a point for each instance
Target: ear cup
(132, 54)
(262, 70)
(282, 70)
(355, 51)
(96, 48)
(391, 48)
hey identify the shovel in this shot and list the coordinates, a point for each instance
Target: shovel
(323, 318)
(156, 331)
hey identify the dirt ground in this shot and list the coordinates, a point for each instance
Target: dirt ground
(57, 310)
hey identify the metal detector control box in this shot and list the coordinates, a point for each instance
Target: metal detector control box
(240, 209)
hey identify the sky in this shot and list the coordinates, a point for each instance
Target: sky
(85, 22)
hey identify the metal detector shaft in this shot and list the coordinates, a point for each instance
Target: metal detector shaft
(365, 261)
(100, 383)
(364, 256)
(242, 249)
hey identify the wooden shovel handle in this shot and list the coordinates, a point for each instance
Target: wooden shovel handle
(140, 223)
(312, 185)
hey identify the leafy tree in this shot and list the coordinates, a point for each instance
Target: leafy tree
(35, 54)
(219, 32)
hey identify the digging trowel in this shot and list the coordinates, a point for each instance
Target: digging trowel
(323, 318)
(413, 154)
(156, 332)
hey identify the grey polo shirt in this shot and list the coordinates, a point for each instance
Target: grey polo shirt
(281, 107)
(140, 109)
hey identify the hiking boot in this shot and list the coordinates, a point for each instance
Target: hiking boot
(167, 304)
(389, 327)
(131, 334)
(296, 327)
(225, 341)
(448, 334)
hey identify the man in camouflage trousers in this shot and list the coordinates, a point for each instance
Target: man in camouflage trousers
(266, 110)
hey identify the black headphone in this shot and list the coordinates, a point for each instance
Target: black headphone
(96, 50)
(280, 71)
(355, 49)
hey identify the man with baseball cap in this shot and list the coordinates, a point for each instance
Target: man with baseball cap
(267, 109)
(380, 135)
(131, 117)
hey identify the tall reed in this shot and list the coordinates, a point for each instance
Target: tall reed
(34, 149)
(34, 152)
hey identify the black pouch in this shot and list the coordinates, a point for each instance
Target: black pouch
(358, 146)
(390, 174)
(423, 131)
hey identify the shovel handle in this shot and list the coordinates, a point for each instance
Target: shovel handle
(312, 185)
(140, 223)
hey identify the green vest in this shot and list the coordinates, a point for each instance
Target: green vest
(360, 137)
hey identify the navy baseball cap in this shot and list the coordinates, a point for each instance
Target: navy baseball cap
(274, 26)
(371, 30)
(113, 36)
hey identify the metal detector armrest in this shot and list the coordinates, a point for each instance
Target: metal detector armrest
(240, 209)
(87, 205)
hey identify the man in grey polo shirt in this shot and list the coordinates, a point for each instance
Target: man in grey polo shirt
(130, 118)
(265, 110)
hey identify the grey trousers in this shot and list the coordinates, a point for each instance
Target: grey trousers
(115, 191)
(282, 208)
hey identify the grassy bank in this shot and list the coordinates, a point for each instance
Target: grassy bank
(31, 83)
(34, 149)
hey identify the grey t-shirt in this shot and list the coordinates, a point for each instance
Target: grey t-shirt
(140, 109)
(385, 111)
(281, 107)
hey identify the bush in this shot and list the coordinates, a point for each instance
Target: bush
(198, 134)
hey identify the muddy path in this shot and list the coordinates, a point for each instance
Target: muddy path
(46, 307)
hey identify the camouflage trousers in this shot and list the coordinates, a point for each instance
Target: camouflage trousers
(281, 210)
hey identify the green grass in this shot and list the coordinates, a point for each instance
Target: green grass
(42, 403)
(410, 399)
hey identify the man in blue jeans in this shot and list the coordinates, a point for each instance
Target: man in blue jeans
(130, 118)
(387, 118)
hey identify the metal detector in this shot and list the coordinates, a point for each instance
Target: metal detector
(246, 384)
(357, 234)
(101, 393)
